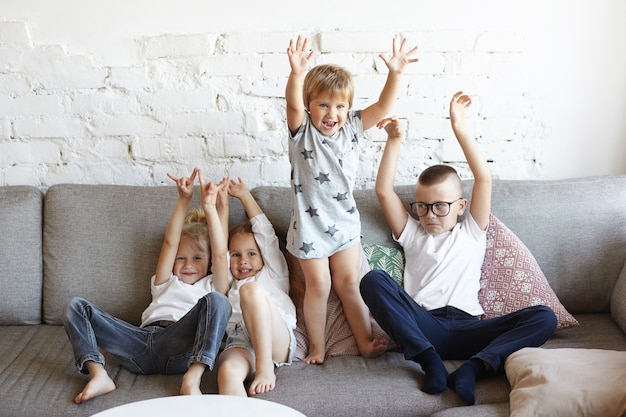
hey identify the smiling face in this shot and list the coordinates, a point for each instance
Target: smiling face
(328, 112)
(245, 256)
(192, 260)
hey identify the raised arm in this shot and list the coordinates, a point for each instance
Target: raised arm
(241, 192)
(217, 237)
(392, 206)
(299, 57)
(169, 249)
(223, 209)
(480, 207)
(396, 65)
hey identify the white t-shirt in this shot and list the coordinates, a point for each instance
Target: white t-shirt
(444, 269)
(174, 298)
(273, 277)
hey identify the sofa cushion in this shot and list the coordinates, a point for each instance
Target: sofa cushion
(385, 386)
(512, 279)
(567, 382)
(478, 410)
(386, 258)
(618, 300)
(20, 254)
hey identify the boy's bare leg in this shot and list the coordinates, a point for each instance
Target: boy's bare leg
(317, 279)
(234, 367)
(269, 335)
(99, 383)
(192, 379)
(344, 268)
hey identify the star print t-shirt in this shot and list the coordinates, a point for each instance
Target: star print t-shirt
(324, 217)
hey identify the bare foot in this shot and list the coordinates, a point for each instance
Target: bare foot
(316, 356)
(263, 382)
(99, 384)
(374, 348)
(191, 389)
(192, 379)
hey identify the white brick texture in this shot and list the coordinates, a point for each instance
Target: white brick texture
(216, 100)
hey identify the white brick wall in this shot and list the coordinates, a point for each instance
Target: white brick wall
(216, 100)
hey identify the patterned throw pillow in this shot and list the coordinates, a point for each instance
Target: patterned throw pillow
(386, 258)
(511, 278)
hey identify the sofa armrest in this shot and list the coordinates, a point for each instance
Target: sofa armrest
(618, 300)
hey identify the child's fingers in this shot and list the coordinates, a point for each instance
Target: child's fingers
(200, 178)
(457, 95)
(384, 122)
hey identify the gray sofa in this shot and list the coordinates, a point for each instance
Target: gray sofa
(101, 242)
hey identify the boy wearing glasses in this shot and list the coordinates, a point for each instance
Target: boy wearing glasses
(436, 315)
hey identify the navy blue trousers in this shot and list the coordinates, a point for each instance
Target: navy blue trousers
(453, 333)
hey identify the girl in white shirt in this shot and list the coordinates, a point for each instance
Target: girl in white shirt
(261, 329)
(184, 324)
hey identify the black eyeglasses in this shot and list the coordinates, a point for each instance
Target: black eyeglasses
(439, 209)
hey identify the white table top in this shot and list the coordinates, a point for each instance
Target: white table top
(201, 405)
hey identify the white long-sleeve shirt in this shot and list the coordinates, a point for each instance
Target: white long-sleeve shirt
(273, 277)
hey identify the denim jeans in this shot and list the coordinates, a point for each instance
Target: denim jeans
(196, 337)
(453, 333)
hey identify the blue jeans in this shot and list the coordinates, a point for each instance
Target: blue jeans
(196, 337)
(453, 333)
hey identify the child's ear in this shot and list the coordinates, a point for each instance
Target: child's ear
(462, 206)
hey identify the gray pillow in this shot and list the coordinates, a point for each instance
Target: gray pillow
(20, 255)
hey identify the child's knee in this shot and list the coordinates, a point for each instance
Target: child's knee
(374, 279)
(76, 304)
(547, 317)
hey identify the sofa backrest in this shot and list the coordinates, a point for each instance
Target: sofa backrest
(575, 228)
(102, 242)
(20, 255)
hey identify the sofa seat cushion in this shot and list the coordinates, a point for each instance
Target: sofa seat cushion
(596, 331)
(567, 382)
(384, 386)
(38, 376)
(485, 410)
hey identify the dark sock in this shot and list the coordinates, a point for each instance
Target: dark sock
(435, 373)
(464, 379)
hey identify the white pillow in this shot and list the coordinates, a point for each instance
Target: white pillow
(567, 382)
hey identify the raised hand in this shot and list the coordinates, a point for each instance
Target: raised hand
(458, 106)
(237, 189)
(392, 126)
(222, 195)
(209, 191)
(299, 54)
(399, 58)
(184, 185)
